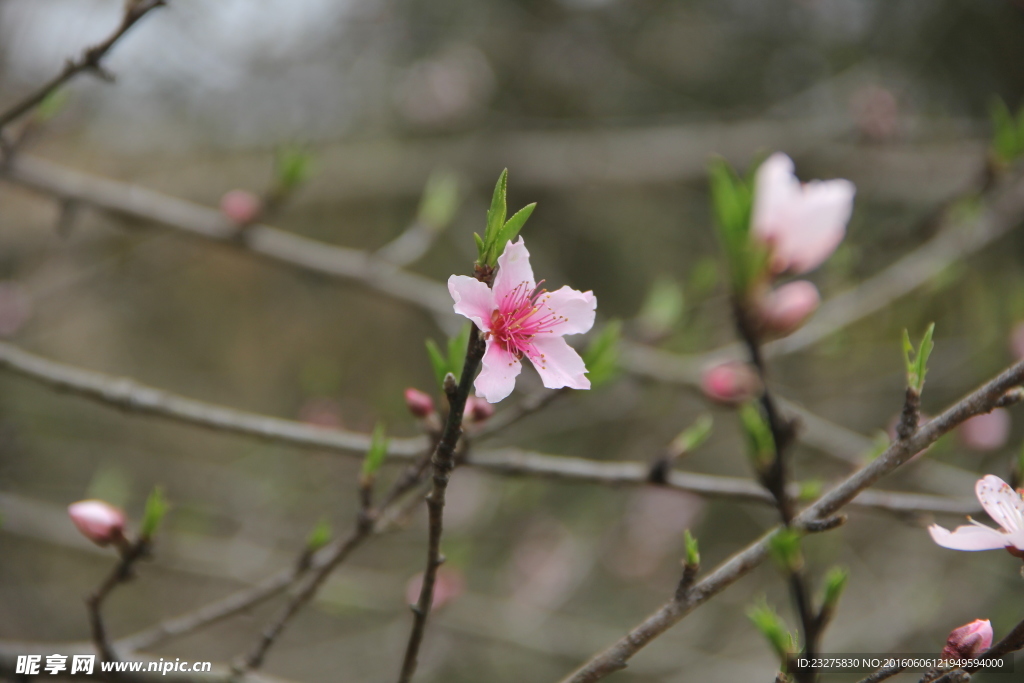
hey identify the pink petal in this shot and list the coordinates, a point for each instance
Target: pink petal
(776, 190)
(968, 537)
(513, 270)
(825, 210)
(473, 299)
(558, 364)
(574, 308)
(498, 377)
(1001, 502)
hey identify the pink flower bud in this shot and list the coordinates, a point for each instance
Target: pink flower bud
(969, 640)
(449, 585)
(730, 383)
(420, 404)
(785, 309)
(986, 432)
(241, 206)
(478, 410)
(100, 522)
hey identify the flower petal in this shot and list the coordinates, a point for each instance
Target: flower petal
(824, 211)
(573, 308)
(513, 270)
(1001, 502)
(558, 364)
(498, 377)
(968, 537)
(473, 299)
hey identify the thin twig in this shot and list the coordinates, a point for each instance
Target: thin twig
(618, 654)
(882, 674)
(132, 396)
(442, 462)
(122, 571)
(90, 60)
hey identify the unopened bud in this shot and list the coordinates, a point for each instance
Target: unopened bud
(420, 404)
(478, 410)
(730, 383)
(968, 640)
(241, 206)
(99, 521)
(784, 309)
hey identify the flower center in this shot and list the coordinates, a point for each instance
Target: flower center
(521, 315)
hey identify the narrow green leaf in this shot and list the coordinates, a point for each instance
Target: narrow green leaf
(496, 214)
(510, 230)
(437, 361)
(692, 549)
(602, 354)
(694, 435)
(785, 548)
(916, 361)
(835, 583)
(457, 347)
(440, 200)
(480, 247)
(156, 509)
(663, 306)
(319, 536)
(377, 452)
(771, 626)
(1006, 141)
(760, 443)
(292, 166)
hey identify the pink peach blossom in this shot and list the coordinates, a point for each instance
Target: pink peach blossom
(241, 206)
(519, 320)
(478, 411)
(1002, 504)
(99, 521)
(730, 383)
(969, 640)
(802, 224)
(986, 432)
(784, 309)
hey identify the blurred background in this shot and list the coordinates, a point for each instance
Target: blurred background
(606, 113)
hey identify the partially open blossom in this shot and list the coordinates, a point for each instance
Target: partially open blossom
(784, 309)
(986, 432)
(1002, 504)
(802, 224)
(420, 404)
(478, 411)
(730, 383)
(519, 320)
(968, 640)
(100, 522)
(448, 585)
(241, 206)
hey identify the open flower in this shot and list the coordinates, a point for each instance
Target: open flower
(518, 319)
(1002, 504)
(802, 224)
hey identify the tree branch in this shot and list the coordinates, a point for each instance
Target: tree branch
(617, 655)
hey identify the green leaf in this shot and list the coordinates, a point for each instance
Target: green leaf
(771, 626)
(1007, 141)
(480, 247)
(457, 347)
(694, 435)
(810, 490)
(52, 105)
(377, 452)
(916, 361)
(760, 443)
(319, 536)
(663, 306)
(835, 583)
(496, 214)
(510, 230)
(784, 547)
(692, 549)
(732, 203)
(292, 167)
(437, 361)
(440, 200)
(602, 354)
(156, 509)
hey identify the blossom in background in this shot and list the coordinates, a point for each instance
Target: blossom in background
(448, 585)
(730, 383)
(986, 432)
(518, 320)
(801, 223)
(968, 640)
(1002, 504)
(241, 206)
(420, 404)
(99, 521)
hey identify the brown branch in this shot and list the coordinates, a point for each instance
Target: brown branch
(122, 572)
(132, 396)
(882, 674)
(90, 60)
(442, 462)
(617, 655)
